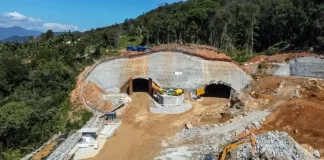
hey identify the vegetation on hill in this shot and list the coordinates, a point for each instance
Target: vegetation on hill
(232, 25)
(36, 79)
(37, 76)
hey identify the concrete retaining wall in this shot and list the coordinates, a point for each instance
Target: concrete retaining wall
(307, 67)
(169, 69)
(171, 100)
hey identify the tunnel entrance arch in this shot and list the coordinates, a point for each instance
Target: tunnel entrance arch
(140, 85)
(137, 84)
(218, 89)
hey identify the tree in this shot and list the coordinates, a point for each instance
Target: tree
(49, 34)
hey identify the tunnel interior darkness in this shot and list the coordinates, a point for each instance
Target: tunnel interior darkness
(140, 85)
(217, 90)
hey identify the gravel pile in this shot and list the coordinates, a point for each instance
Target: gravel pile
(274, 145)
(210, 139)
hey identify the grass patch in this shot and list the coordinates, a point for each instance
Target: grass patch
(129, 41)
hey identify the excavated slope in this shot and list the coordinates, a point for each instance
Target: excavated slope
(168, 69)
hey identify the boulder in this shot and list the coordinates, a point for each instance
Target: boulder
(316, 154)
(189, 125)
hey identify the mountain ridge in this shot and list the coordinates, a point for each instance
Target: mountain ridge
(18, 31)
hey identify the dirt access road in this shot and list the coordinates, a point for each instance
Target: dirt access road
(142, 132)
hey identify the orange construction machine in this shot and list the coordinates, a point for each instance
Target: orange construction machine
(247, 138)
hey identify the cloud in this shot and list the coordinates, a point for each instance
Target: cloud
(10, 19)
(57, 26)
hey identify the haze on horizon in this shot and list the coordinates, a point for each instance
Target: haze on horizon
(62, 15)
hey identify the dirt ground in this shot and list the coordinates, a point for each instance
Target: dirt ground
(277, 58)
(302, 118)
(92, 94)
(45, 151)
(205, 52)
(142, 132)
(74, 95)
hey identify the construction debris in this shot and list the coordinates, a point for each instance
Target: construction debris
(317, 154)
(242, 102)
(275, 145)
(188, 125)
(209, 138)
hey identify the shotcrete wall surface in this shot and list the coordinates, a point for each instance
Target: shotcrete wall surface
(170, 70)
(282, 70)
(307, 67)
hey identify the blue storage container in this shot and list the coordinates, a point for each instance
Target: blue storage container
(129, 48)
(134, 49)
(140, 48)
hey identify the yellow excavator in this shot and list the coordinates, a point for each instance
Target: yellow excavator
(246, 138)
(158, 89)
(162, 91)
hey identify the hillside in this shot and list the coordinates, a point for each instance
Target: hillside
(16, 31)
(231, 25)
(36, 78)
(14, 39)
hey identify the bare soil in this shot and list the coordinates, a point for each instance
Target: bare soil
(45, 151)
(302, 118)
(74, 95)
(93, 95)
(141, 133)
(278, 58)
(202, 51)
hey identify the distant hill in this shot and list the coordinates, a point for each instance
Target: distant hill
(15, 39)
(16, 31)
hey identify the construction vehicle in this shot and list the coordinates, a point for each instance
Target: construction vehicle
(200, 91)
(247, 138)
(170, 92)
(158, 89)
(177, 92)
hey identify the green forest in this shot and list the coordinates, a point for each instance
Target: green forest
(36, 79)
(267, 26)
(37, 76)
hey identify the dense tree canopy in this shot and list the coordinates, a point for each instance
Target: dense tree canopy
(35, 81)
(250, 25)
(36, 77)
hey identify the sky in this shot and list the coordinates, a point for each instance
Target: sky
(74, 15)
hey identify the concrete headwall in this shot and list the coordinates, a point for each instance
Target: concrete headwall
(170, 70)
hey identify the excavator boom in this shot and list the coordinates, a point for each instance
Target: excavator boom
(241, 140)
(155, 87)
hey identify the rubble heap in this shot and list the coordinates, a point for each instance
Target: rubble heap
(242, 102)
(274, 145)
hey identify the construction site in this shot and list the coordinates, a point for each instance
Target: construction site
(193, 102)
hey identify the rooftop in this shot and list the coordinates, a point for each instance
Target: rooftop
(88, 130)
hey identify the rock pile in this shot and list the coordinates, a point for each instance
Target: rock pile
(312, 84)
(212, 138)
(274, 145)
(242, 102)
